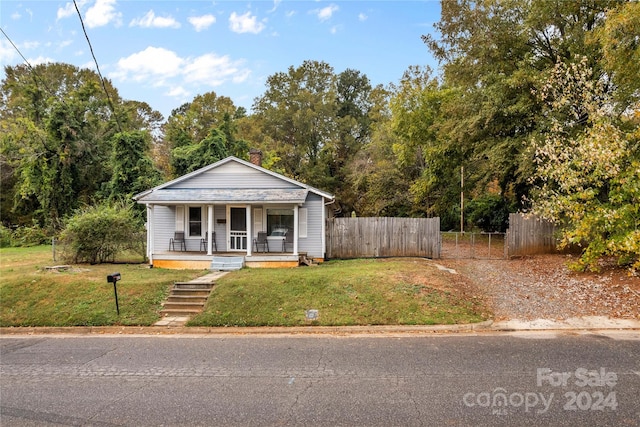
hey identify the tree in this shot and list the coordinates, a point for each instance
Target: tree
(55, 130)
(298, 114)
(494, 54)
(189, 130)
(132, 168)
(189, 158)
(587, 172)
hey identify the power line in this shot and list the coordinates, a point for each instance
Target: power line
(33, 71)
(104, 87)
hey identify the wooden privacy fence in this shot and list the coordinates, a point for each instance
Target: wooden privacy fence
(529, 235)
(383, 237)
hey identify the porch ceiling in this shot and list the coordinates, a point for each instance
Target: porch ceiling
(196, 195)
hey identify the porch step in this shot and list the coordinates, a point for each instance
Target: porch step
(227, 263)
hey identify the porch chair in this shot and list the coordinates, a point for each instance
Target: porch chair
(203, 242)
(288, 240)
(178, 237)
(261, 240)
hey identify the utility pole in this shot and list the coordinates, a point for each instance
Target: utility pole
(461, 199)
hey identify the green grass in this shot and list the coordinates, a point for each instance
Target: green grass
(32, 296)
(356, 292)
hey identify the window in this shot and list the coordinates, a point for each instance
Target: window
(195, 221)
(279, 221)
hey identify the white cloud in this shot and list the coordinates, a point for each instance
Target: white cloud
(102, 13)
(202, 22)
(151, 63)
(7, 52)
(164, 68)
(30, 45)
(15, 16)
(69, 9)
(213, 70)
(276, 3)
(326, 12)
(362, 17)
(150, 20)
(177, 92)
(334, 29)
(40, 60)
(245, 23)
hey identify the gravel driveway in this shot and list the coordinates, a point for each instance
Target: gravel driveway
(542, 287)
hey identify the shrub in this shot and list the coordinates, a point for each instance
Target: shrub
(5, 236)
(489, 212)
(30, 236)
(95, 234)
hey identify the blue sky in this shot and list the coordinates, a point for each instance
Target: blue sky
(167, 52)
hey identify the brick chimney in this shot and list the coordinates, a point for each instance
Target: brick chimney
(255, 157)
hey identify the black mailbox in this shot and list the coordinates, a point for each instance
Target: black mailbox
(113, 278)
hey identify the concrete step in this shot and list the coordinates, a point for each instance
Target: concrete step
(192, 286)
(187, 298)
(190, 292)
(197, 306)
(179, 312)
(227, 263)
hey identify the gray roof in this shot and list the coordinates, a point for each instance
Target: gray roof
(203, 195)
(157, 194)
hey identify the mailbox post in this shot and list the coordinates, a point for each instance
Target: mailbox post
(113, 278)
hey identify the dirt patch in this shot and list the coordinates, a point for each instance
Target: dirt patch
(544, 287)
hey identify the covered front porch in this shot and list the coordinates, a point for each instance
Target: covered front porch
(191, 235)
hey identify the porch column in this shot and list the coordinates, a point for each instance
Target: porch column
(209, 230)
(296, 232)
(249, 232)
(150, 230)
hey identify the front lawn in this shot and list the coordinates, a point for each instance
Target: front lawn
(354, 292)
(357, 292)
(31, 295)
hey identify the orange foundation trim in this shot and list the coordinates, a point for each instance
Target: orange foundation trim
(271, 264)
(181, 265)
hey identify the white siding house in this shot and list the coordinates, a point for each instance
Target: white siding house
(220, 210)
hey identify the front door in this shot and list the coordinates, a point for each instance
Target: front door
(238, 229)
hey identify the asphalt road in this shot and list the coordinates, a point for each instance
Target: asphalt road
(484, 379)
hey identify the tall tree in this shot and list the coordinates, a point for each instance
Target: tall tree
(587, 172)
(495, 55)
(56, 125)
(190, 127)
(132, 168)
(298, 113)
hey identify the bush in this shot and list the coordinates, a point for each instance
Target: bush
(23, 236)
(95, 234)
(30, 236)
(489, 212)
(5, 237)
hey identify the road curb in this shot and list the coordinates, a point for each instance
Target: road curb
(390, 330)
(258, 330)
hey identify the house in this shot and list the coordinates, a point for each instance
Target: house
(235, 209)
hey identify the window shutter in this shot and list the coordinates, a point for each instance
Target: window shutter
(179, 218)
(257, 221)
(302, 222)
